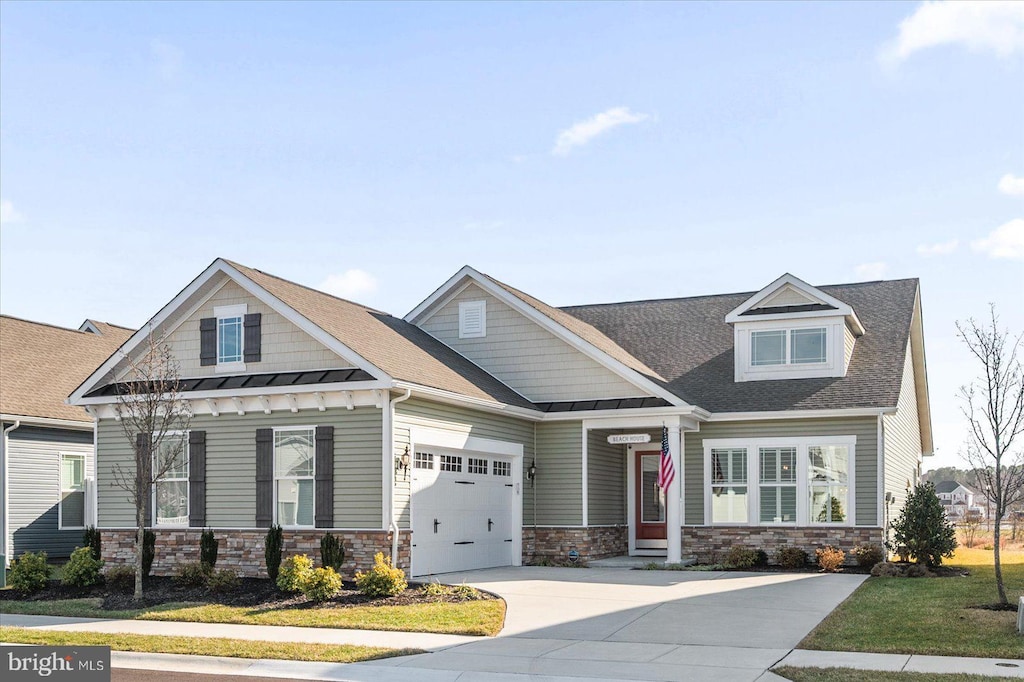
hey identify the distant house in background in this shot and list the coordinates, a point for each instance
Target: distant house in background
(957, 499)
(46, 453)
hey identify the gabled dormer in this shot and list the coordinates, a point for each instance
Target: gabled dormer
(792, 330)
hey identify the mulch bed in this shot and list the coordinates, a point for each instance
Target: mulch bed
(256, 593)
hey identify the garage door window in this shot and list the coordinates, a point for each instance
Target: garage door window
(423, 460)
(293, 473)
(476, 466)
(451, 463)
(500, 468)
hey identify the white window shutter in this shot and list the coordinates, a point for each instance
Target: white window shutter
(472, 319)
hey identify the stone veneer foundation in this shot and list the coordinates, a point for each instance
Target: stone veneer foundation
(710, 544)
(554, 544)
(242, 550)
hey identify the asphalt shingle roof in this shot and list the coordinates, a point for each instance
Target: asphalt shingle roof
(687, 341)
(41, 364)
(402, 350)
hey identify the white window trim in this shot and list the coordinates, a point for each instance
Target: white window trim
(755, 514)
(224, 312)
(187, 479)
(61, 489)
(277, 478)
(801, 443)
(835, 349)
(465, 306)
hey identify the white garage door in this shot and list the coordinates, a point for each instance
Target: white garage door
(462, 511)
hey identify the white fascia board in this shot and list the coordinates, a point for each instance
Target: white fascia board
(641, 412)
(919, 362)
(805, 288)
(48, 421)
(458, 399)
(545, 322)
(264, 390)
(305, 324)
(801, 414)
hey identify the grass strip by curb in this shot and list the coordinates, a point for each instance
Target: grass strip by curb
(204, 646)
(850, 675)
(483, 617)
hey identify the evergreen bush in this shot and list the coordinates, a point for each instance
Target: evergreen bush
(332, 552)
(272, 551)
(93, 539)
(922, 527)
(383, 580)
(82, 569)
(208, 545)
(148, 551)
(29, 573)
(295, 570)
(321, 584)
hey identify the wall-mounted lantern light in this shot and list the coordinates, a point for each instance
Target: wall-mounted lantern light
(402, 463)
(531, 473)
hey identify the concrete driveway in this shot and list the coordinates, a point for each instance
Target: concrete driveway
(618, 624)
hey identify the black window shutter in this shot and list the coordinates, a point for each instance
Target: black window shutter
(264, 477)
(252, 337)
(324, 477)
(208, 341)
(197, 479)
(144, 444)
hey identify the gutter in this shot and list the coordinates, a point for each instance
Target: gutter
(390, 439)
(7, 499)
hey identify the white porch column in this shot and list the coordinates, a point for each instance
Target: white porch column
(673, 511)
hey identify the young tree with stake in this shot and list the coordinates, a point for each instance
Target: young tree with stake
(994, 407)
(153, 417)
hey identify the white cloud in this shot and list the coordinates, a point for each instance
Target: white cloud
(582, 132)
(9, 214)
(939, 249)
(349, 284)
(1006, 241)
(1012, 185)
(874, 270)
(995, 26)
(169, 59)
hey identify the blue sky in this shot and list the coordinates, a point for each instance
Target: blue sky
(581, 152)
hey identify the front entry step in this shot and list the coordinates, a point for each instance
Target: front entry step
(636, 561)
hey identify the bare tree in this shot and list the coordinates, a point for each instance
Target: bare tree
(969, 524)
(154, 418)
(994, 406)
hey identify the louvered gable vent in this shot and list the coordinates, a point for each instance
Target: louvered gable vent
(472, 319)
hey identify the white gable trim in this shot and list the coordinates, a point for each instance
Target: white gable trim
(804, 288)
(449, 289)
(173, 308)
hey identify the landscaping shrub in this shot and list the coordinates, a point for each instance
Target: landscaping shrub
(919, 571)
(272, 551)
(762, 558)
(466, 592)
(830, 558)
(191, 575)
(148, 551)
(120, 578)
(922, 527)
(93, 539)
(741, 557)
(791, 557)
(321, 584)
(435, 590)
(294, 572)
(383, 580)
(29, 573)
(332, 552)
(222, 580)
(208, 545)
(82, 569)
(868, 555)
(885, 569)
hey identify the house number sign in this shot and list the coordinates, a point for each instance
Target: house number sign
(627, 438)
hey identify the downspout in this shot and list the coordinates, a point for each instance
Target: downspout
(392, 523)
(7, 499)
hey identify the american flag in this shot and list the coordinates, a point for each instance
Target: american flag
(667, 470)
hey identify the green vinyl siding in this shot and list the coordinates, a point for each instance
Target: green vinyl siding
(462, 420)
(606, 480)
(559, 484)
(865, 464)
(902, 439)
(231, 466)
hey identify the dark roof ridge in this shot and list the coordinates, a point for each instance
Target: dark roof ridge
(737, 293)
(307, 287)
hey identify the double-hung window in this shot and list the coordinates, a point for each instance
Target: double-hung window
(829, 477)
(72, 491)
(729, 491)
(170, 492)
(293, 476)
(777, 485)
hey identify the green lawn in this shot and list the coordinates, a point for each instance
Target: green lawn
(204, 646)
(480, 617)
(848, 675)
(929, 615)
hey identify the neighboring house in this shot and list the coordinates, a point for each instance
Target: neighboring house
(487, 428)
(957, 499)
(47, 446)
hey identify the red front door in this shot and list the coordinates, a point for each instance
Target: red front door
(650, 499)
